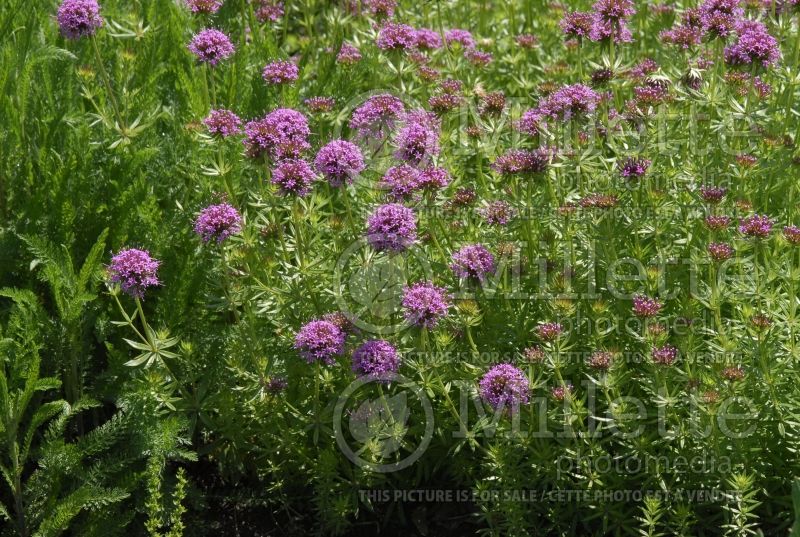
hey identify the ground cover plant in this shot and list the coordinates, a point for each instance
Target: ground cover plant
(381, 267)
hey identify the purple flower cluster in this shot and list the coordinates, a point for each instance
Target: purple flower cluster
(610, 20)
(427, 39)
(712, 194)
(497, 213)
(792, 234)
(204, 6)
(717, 222)
(381, 8)
(339, 162)
(425, 304)
(577, 24)
(223, 123)
(504, 385)
(549, 331)
(319, 341)
(477, 57)
(402, 180)
(268, 10)
(348, 54)
(644, 306)
(634, 167)
(280, 72)
(665, 355)
(569, 102)
(719, 17)
(218, 222)
(394, 36)
(433, 178)
(320, 104)
(392, 228)
(418, 140)
(211, 46)
(463, 37)
(377, 116)
(134, 270)
(293, 177)
(719, 251)
(79, 18)
(522, 162)
(473, 262)
(754, 45)
(755, 226)
(283, 133)
(375, 359)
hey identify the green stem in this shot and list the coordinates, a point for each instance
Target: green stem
(107, 81)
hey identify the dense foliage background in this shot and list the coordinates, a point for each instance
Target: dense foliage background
(222, 428)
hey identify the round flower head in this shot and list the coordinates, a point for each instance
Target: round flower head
(569, 102)
(473, 261)
(394, 36)
(753, 45)
(665, 355)
(223, 123)
(497, 213)
(402, 180)
(561, 393)
(549, 331)
(644, 306)
(211, 46)
(505, 385)
(417, 141)
(610, 20)
(600, 360)
(293, 176)
(392, 228)
(319, 341)
(463, 37)
(339, 162)
(428, 39)
(577, 24)
(712, 194)
(283, 133)
(134, 270)
(492, 103)
(375, 358)
(377, 116)
(526, 40)
(633, 167)
(381, 8)
(204, 6)
(522, 162)
(348, 54)
(269, 10)
(280, 72)
(717, 222)
(756, 226)
(79, 18)
(478, 58)
(719, 251)
(319, 104)
(433, 178)
(719, 17)
(424, 304)
(792, 234)
(218, 222)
